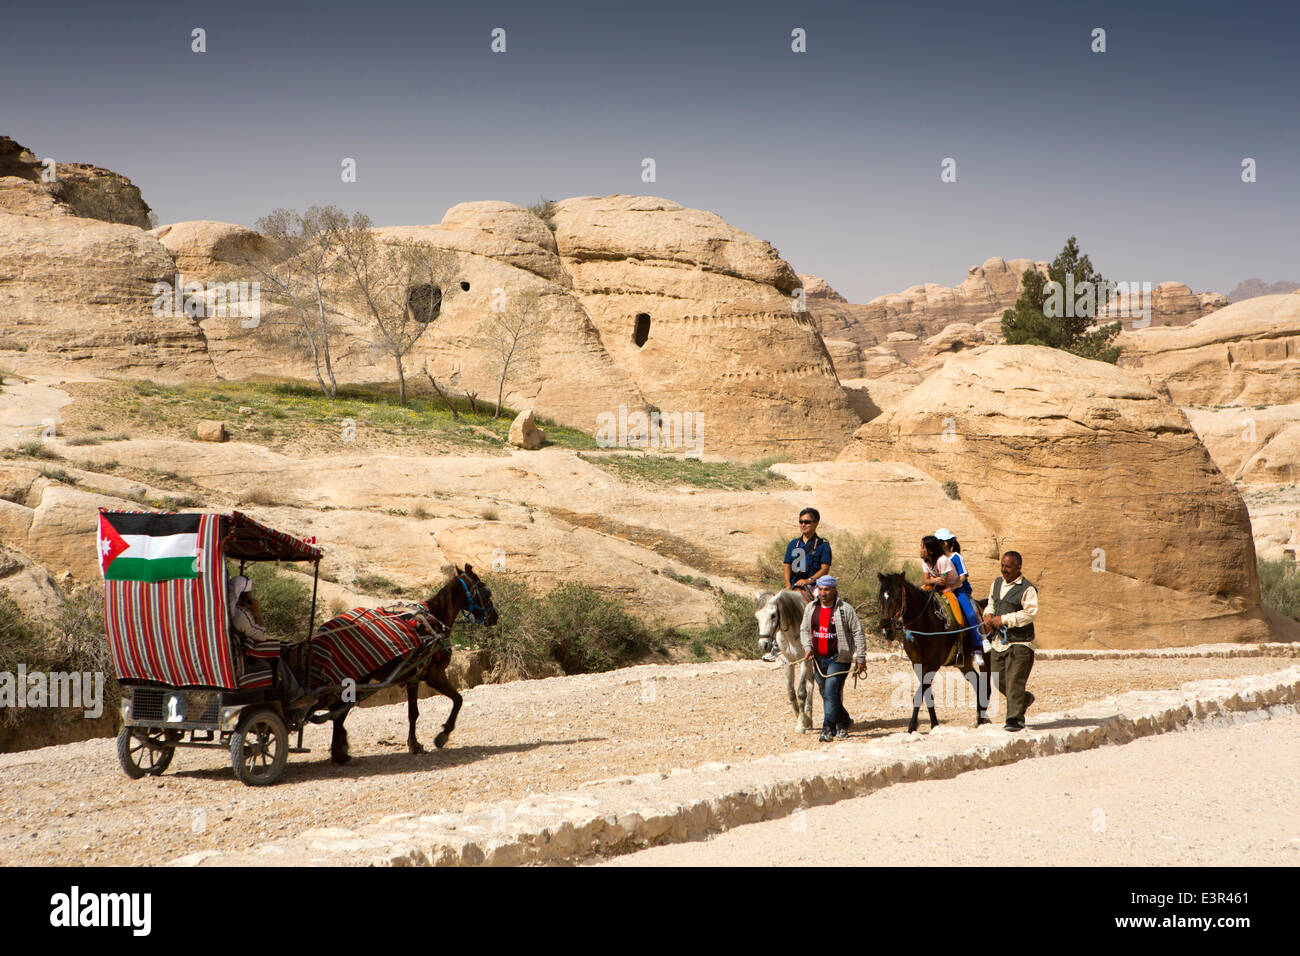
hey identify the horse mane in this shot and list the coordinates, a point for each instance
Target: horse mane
(789, 608)
(440, 604)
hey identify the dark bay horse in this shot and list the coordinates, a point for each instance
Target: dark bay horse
(463, 593)
(906, 608)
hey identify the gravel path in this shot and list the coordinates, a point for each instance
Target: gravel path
(72, 804)
(1215, 797)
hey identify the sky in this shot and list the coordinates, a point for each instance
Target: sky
(833, 155)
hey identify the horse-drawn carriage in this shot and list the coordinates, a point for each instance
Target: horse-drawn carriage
(188, 680)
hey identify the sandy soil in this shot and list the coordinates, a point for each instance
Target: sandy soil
(72, 804)
(1158, 801)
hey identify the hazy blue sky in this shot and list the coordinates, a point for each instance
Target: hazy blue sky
(832, 155)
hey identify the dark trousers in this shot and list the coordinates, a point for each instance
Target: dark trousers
(1010, 670)
(832, 690)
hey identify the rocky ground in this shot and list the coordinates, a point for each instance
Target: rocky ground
(72, 804)
(1153, 802)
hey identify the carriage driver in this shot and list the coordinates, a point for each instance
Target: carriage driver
(246, 620)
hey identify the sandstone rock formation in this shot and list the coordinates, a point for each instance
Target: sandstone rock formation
(524, 432)
(1249, 288)
(1247, 353)
(1132, 534)
(702, 316)
(818, 288)
(924, 310)
(212, 251)
(957, 337)
(80, 293)
(210, 431)
(847, 357)
(89, 192)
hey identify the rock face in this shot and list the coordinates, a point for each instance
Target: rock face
(1247, 353)
(957, 337)
(1171, 303)
(1133, 536)
(924, 310)
(89, 192)
(1250, 288)
(524, 432)
(211, 251)
(81, 293)
(847, 358)
(820, 289)
(702, 316)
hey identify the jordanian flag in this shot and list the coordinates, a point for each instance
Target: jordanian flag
(148, 547)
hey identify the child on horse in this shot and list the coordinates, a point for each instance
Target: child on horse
(939, 574)
(952, 550)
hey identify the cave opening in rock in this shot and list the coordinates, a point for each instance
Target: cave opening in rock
(464, 287)
(641, 331)
(424, 302)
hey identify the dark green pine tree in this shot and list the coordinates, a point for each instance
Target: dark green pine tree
(1027, 323)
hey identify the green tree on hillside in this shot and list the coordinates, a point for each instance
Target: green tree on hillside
(1045, 315)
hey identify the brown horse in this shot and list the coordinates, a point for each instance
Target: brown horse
(463, 593)
(908, 614)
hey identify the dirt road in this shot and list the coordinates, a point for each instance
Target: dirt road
(1210, 797)
(71, 804)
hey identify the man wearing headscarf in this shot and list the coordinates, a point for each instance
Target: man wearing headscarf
(832, 636)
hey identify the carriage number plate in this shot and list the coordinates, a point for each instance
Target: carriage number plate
(175, 708)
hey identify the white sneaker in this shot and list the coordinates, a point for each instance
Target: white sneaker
(978, 660)
(769, 656)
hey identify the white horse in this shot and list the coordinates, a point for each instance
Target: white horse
(779, 616)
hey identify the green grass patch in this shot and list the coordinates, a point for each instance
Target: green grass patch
(294, 407)
(1279, 586)
(665, 469)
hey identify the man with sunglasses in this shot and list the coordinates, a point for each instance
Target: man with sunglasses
(807, 558)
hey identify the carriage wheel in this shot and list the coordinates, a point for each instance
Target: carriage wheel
(259, 748)
(143, 752)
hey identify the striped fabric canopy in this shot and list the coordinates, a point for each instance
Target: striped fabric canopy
(174, 631)
(360, 641)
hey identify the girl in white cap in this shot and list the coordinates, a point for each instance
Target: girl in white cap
(952, 548)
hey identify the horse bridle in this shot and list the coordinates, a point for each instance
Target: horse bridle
(895, 618)
(475, 611)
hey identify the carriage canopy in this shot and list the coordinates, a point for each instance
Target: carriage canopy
(165, 610)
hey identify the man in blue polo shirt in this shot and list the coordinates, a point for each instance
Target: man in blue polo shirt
(807, 558)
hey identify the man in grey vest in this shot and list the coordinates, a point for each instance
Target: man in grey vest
(1013, 603)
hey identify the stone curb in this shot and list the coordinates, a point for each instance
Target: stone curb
(615, 816)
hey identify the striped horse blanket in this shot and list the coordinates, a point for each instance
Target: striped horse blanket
(362, 640)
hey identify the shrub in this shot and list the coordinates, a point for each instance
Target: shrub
(71, 640)
(38, 449)
(950, 489)
(378, 584)
(518, 647)
(582, 630)
(1279, 586)
(732, 630)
